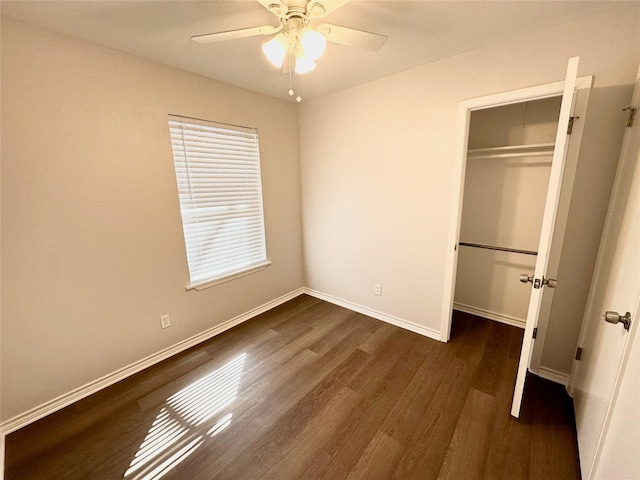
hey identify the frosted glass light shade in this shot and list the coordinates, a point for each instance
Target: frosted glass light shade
(305, 65)
(276, 49)
(313, 43)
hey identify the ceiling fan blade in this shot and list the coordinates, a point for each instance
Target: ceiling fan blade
(234, 34)
(322, 8)
(277, 7)
(352, 37)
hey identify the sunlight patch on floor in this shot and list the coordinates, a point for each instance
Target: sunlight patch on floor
(174, 434)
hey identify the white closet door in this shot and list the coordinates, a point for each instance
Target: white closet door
(546, 234)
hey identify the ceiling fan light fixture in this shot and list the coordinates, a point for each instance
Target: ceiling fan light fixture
(296, 46)
(305, 65)
(276, 49)
(313, 43)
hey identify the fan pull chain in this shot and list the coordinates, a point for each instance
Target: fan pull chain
(290, 82)
(291, 91)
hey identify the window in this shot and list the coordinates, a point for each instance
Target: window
(218, 175)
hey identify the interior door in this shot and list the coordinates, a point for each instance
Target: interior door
(538, 279)
(604, 364)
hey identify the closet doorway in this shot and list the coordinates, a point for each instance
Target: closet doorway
(509, 192)
(509, 155)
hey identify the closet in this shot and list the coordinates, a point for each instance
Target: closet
(508, 164)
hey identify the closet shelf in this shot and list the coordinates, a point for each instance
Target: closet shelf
(538, 149)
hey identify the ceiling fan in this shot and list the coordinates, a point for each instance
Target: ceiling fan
(296, 44)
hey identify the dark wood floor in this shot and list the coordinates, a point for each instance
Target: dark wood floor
(311, 390)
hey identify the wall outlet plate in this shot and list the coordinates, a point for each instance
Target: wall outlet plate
(165, 321)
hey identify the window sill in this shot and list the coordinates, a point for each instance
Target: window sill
(211, 283)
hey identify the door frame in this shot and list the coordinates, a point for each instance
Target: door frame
(461, 140)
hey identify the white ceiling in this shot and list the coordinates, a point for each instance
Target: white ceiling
(419, 32)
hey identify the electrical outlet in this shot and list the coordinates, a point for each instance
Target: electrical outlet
(377, 289)
(165, 321)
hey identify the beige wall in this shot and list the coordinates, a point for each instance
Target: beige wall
(92, 246)
(377, 167)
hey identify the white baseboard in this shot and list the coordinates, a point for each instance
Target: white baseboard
(398, 322)
(90, 388)
(498, 317)
(554, 376)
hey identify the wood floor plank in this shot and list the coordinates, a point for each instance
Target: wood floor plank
(426, 450)
(64, 460)
(252, 416)
(353, 321)
(506, 458)
(276, 315)
(271, 445)
(370, 466)
(236, 338)
(511, 437)
(349, 443)
(379, 338)
(471, 439)
(311, 317)
(491, 371)
(383, 369)
(471, 334)
(553, 439)
(312, 390)
(402, 421)
(266, 407)
(304, 447)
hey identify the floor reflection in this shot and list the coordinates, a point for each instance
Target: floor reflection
(175, 432)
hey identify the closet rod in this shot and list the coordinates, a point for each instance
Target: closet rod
(501, 249)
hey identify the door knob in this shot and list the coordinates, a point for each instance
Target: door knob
(524, 278)
(549, 282)
(615, 317)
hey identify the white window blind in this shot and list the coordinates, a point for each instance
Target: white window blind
(218, 175)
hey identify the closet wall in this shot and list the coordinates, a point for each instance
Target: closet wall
(507, 172)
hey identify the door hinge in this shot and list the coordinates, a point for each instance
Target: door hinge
(570, 126)
(578, 353)
(535, 332)
(632, 115)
